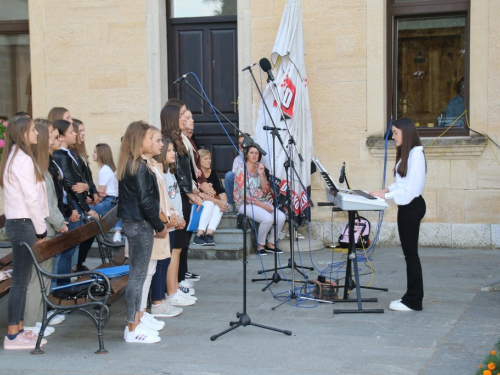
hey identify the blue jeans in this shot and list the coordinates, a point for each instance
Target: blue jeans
(159, 281)
(65, 258)
(229, 186)
(103, 207)
(140, 235)
(19, 230)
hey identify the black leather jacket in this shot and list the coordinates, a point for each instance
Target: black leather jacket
(66, 209)
(87, 174)
(140, 198)
(184, 173)
(72, 175)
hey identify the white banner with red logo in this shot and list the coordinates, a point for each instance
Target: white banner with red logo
(291, 82)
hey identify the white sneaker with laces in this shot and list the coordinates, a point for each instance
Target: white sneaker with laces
(180, 299)
(58, 319)
(117, 237)
(158, 323)
(151, 325)
(188, 291)
(165, 310)
(187, 283)
(141, 334)
(36, 329)
(186, 295)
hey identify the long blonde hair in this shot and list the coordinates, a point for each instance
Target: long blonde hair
(131, 149)
(16, 135)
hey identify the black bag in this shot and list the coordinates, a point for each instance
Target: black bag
(361, 233)
(98, 289)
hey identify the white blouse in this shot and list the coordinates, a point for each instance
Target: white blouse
(405, 189)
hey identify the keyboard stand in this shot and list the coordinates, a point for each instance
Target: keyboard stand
(352, 262)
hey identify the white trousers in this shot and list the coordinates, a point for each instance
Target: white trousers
(210, 216)
(266, 220)
(147, 283)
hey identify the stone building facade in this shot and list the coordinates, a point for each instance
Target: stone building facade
(106, 60)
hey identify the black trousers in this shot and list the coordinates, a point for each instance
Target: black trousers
(409, 218)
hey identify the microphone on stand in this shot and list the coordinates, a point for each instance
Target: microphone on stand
(342, 173)
(265, 65)
(181, 78)
(249, 67)
(271, 128)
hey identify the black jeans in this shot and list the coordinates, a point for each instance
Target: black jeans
(19, 230)
(409, 218)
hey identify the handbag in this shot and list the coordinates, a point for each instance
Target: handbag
(81, 290)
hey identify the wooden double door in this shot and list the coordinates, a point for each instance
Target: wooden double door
(207, 47)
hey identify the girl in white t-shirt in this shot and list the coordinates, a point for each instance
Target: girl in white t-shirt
(107, 188)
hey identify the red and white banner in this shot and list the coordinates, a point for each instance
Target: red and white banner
(291, 82)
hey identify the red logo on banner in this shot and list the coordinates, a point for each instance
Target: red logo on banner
(283, 187)
(304, 202)
(288, 98)
(295, 202)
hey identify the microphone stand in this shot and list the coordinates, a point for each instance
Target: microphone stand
(243, 318)
(289, 169)
(276, 278)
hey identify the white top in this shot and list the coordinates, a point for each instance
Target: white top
(405, 189)
(174, 193)
(107, 178)
(23, 196)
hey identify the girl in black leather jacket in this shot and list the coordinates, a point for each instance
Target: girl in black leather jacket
(72, 176)
(140, 210)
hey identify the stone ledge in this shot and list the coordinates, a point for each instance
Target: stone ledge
(443, 148)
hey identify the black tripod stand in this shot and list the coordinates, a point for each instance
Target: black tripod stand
(276, 278)
(243, 318)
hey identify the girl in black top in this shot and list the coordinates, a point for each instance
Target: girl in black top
(213, 207)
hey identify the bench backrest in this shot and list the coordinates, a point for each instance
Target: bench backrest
(56, 245)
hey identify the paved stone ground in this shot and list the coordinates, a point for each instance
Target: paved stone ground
(457, 328)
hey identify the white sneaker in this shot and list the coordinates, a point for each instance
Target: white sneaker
(395, 301)
(36, 329)
(117, 237)
(188, 291)
(157, 325)
(165, 310)
(151, 325)
(186, 295)
(58, 319)
(187, 284)
(179, 299)
(141, 335)
(399, 306)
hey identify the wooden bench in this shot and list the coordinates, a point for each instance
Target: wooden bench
(94, 306)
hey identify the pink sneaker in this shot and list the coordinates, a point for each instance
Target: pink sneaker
(25, 340)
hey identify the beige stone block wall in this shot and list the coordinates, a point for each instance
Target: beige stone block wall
(91, 57)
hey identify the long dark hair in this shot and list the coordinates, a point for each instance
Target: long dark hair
(170, 118)
(410, 140)
(162, 158)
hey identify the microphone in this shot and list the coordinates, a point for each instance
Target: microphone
(265, 65)
(249, 67)
(342, 174)
(271, 128)
(181, 78)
